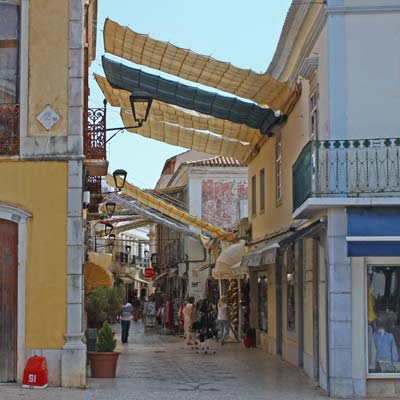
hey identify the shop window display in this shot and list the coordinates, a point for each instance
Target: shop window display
(262, 302)
(383, 301)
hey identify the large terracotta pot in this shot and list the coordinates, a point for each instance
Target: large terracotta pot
(103, 365)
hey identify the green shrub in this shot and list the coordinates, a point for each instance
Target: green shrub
(103, 304)
(105, 340)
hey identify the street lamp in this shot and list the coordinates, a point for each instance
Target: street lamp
(140, 104)
(110, 208)
(119, 173)
(108, 229)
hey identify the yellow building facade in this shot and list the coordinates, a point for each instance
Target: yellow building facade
(41, 165)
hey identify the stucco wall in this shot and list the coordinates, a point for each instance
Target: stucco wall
(48, 63)
(41, 189)
(372, 74)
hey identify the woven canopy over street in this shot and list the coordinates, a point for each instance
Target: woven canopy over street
(144, 50)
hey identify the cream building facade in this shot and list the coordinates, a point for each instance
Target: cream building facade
(323, 189)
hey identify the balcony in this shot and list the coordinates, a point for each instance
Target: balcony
(95, 141)
(352, 169)
(9, 129)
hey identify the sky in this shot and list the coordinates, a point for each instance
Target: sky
(243, 32)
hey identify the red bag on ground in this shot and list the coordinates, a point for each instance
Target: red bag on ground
(249, 342)
(35, 373)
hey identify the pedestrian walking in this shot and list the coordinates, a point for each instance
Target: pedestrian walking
(125, 318)
(189, 313)
(223, 320)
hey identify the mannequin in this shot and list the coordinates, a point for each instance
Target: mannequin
(386, 349)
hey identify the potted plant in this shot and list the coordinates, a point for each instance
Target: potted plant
(102, 304)
(103, 362)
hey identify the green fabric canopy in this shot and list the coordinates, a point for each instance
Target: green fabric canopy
(229, 108)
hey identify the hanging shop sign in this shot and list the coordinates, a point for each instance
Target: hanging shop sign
(149, 273)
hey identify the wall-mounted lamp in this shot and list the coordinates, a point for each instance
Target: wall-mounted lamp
(108, 228)
(141, 104)
(119, 173)
(110, 208)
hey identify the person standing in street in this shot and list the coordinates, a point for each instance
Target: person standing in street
(125, 317)
(223, 320)
(187, 321)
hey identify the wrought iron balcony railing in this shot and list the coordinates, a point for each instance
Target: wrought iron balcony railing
(347, 168)
(9, 129)
(95, 133)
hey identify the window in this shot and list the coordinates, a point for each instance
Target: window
(253, 196)
(291, 288)
(9, 60)
(278, 170)
(314, 115)
(383, 322)
(262, 301)
(262, 190)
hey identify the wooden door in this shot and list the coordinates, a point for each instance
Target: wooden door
(8, 300)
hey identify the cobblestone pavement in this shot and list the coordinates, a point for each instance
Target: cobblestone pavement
(162, 367)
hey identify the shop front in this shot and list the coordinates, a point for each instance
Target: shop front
(261, 264)
(234, 285)
(373, 236)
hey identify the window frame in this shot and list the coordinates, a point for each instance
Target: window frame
(254, 196)
(375, 262)
(314, 113)
(262, 189)
(278, 171)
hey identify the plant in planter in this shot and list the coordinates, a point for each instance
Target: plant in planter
(102, 304)
(103, 362)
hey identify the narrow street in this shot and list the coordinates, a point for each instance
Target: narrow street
(155, 366)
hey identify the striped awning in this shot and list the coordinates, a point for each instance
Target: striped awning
(144, 50)
(180, 116)
(176, 93)
(173, 212)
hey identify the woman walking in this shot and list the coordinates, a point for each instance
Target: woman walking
(223, 320)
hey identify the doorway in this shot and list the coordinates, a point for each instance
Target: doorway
(8, 300)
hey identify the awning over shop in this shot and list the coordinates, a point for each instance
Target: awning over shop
(144, 50)
(191, 139)
(161, 276)
(173, 212)
(104, 260)
(373, 232)
(126, 280)
(228, 260)
(168, 91)
(96, 276)
(126, 227)
(179, 116)
(262, 255)
(141, 280)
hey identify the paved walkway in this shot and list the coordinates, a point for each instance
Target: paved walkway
(162, 367)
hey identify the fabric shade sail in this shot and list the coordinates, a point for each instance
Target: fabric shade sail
(168, 91)
(126, 227)
(96, 276)
(192, 139)
(144, 50)
(179, 116)
(173, 212)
